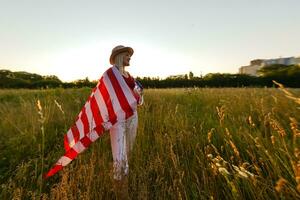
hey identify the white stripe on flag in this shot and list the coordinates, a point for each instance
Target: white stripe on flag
(93, 136)
(70, 137)
(80, 127)
(64, 161)
(78, 147)
(89, 115)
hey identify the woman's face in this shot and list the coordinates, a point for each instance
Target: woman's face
(126, 59)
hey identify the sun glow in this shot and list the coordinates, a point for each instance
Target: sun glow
(78, 63)
(155, 62)
(92, 60)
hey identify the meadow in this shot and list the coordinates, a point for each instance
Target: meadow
(196, 143)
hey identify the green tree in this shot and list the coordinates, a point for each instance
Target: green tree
(273, 70)
(191, 75)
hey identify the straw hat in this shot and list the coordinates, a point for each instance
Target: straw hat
(117, 50)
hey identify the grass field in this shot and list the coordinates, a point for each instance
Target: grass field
(191, 144)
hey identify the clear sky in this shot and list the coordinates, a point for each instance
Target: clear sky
(73, 38)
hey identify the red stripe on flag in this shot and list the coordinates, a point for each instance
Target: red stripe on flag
(86, 141)
(75, 133)
(53, 171)
(96, 111)
(94, 89)
(120, 94)
(99, 129)
(85, 121)
(108, 103)
(71, 154)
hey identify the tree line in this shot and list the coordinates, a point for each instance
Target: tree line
(289, 75)
(9, 79)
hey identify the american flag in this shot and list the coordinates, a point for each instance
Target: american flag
(111, 101)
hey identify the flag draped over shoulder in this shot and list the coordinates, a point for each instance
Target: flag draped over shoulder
(111, 101)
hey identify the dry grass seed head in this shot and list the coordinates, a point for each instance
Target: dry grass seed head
(250, 121)
(277, 127)
(273, 139)
(287, 93)
(235, 150)
(59, 106)
(209, 135)
(294, 127)
(280, 184)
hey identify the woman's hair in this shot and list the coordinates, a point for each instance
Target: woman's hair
(119, 59)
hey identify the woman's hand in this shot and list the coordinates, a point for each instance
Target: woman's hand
(138, 90)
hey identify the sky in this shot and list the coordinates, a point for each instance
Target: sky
(73, 39)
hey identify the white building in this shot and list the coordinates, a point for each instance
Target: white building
(257, 64)
(251, 69)
(282, 61)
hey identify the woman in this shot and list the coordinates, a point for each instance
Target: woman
(123, 133)
(111, 106)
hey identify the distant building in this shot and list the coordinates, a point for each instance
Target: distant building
(251, 69)
(257, 64)
(297, 59)
(282, 61)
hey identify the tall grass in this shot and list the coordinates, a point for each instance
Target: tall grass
(191, 144)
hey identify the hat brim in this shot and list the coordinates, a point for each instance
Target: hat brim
(115, 53)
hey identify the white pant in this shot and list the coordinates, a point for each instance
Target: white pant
(122, 137)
